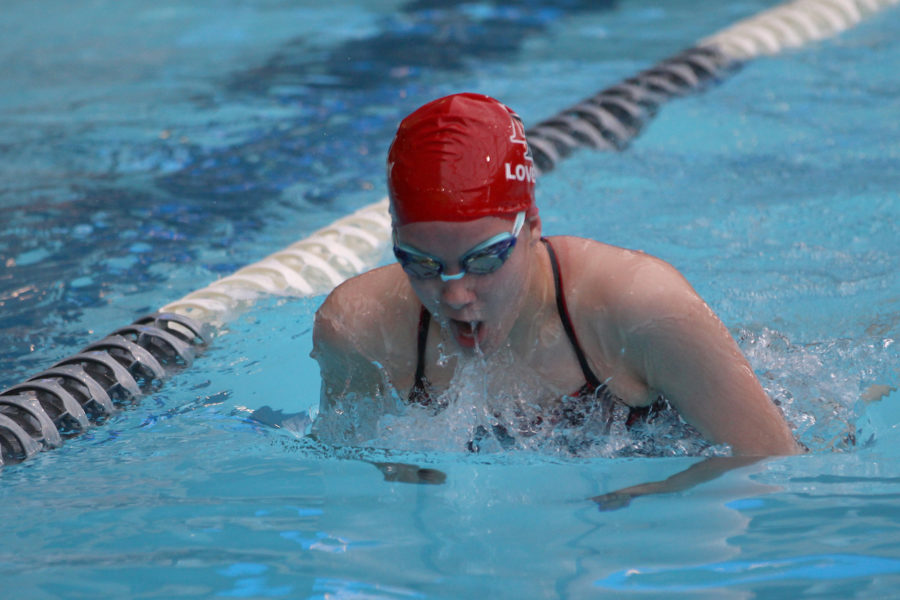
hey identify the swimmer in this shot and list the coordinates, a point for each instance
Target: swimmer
(476, 277)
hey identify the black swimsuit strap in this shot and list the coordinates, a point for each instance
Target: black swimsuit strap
(563, 310)
(419, 392)
(424, 322)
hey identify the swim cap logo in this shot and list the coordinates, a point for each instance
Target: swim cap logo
(520, 172)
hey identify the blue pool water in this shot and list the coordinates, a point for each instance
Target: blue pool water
(149, 148)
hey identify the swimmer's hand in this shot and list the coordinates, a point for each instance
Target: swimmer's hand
(296, 422)
(877, 392)
(622, 498)
(406, 473)
(612, 501)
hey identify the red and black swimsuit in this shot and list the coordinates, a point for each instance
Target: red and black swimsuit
(593, 390)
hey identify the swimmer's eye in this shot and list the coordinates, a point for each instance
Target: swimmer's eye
(489, 259)
(418, 265)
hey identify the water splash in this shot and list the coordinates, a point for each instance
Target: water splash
(821, 386)
(494, 406)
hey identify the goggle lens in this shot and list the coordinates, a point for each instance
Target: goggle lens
(488, 260)
(420, 266)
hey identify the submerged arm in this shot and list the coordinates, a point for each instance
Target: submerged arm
(701, 472)
(345, 371)
(355, 334)
(347, 375)
(355, 392)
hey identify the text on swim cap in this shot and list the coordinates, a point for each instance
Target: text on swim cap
(520, 172)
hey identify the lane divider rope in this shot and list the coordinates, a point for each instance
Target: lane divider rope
(116, 372)
(312, 266)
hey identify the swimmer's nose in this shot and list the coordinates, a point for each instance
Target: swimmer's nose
(457, 293)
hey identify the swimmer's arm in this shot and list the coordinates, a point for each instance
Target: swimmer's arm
(338, 348)
(700, 472)
(683, 351)
(347, 373)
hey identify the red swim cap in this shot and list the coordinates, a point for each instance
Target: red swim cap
(460, 158)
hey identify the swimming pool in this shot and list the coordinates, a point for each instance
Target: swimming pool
(151, 148)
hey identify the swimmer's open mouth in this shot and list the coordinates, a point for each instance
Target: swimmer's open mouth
(467, 333)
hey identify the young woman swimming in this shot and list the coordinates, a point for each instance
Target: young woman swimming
(591, 326)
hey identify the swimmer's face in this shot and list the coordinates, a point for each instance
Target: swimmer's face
(492, 301)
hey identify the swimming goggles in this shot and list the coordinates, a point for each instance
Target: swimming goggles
(486, 257)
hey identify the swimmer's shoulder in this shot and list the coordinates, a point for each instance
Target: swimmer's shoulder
(364, 308)
(586, 260)
(607, 277)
